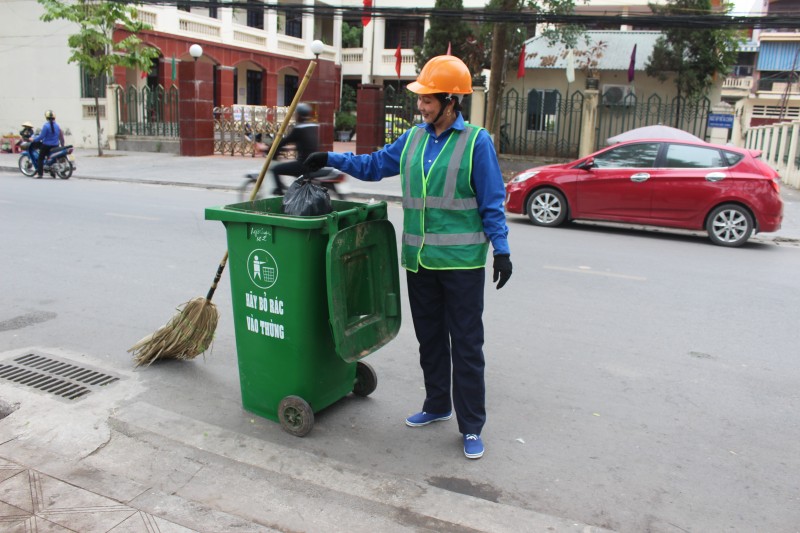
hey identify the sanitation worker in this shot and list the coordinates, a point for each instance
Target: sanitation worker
(453, 194)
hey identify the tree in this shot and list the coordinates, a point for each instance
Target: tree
(93, 47)
(695, 55)
(443, 31)
(506, 43)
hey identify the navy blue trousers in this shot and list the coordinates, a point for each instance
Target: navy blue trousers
(447, 309)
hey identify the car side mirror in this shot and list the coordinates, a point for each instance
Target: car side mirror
(587, 165)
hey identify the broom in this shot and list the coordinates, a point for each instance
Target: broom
(190, 332)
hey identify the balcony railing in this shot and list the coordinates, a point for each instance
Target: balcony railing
(742, 84)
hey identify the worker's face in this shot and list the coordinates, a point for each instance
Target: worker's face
(429, 107)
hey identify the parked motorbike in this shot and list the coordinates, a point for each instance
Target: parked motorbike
(332, 179)
(60, 161)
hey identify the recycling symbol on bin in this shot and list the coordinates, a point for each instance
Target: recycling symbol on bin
(262, 268)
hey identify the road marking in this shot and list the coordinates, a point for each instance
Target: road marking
(584, 270)
(137, 217)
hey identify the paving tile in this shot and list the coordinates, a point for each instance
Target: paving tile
(142, 522)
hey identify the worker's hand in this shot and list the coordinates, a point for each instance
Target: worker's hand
(502, 269)
(316, 161)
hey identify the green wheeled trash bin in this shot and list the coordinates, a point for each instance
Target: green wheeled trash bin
(311, 297)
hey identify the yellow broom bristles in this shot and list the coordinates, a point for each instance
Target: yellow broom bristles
(188, 334)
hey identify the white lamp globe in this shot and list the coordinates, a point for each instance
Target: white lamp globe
(195, 51)
(317, 47)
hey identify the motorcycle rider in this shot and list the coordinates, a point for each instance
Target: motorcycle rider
(305, 137)
(50, 137)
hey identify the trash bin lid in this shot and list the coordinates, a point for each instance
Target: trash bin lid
(363, 288)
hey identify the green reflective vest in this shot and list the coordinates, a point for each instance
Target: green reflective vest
(442, 228)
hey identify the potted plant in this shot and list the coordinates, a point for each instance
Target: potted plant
(589, 62)
(344, 123)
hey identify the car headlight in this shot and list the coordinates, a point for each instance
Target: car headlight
(522, 176)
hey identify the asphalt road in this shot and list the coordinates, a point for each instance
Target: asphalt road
(639, 381)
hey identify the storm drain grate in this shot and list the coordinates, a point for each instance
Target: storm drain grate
(54, 376)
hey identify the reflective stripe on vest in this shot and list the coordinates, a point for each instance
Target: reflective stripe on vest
(441, 231)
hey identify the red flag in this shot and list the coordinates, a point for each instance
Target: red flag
(366, 16)
(632, 66)
(398, 59)
(521, 66)
(449, 52)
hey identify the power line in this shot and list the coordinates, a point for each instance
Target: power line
(789, 20)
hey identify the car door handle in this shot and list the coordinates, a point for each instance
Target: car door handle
(715, 176)
(640, 177)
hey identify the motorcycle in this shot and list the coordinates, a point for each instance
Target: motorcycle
(60, 161)
(328, 177)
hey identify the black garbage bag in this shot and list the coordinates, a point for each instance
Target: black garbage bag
(306, 198)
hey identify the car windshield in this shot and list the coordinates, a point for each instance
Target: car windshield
(639, 155)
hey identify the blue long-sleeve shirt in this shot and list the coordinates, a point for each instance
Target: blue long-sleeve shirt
(51, 134)
(487, 179)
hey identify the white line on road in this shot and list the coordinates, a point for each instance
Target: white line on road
(138, 217)
(586, 271)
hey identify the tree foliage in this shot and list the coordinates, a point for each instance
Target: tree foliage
(93, 46)
(695, 56)
(443, 31)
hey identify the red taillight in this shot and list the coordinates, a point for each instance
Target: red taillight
(776, 185)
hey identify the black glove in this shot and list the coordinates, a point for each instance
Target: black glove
(502, 269)
(316, 161)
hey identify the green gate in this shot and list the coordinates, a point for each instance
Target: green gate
(150, 111)
(628, 113)
(543, 124)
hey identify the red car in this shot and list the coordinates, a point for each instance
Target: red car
(727, 191)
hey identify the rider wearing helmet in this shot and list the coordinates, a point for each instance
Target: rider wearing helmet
(453, 194)
(50, 137)
(305, 137)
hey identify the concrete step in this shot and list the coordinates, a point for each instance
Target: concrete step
(291, 490)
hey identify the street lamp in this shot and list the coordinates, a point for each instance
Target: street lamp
(316, 48)
(196, 51)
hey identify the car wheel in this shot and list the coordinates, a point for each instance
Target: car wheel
(547, 207)
(729, 225)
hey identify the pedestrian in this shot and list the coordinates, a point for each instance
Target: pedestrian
(305, 138)
(50, 137)
(453, 195)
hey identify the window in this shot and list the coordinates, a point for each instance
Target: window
(686, 156)
(294, 25)
(184, 5)
(542, 109)
(733, 157)
(641, 155)
(408, 33)
(212, 9)
(88, 85)
(255, 80)
(255, 14)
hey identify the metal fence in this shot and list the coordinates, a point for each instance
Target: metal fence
(780, 144)
(238, 128)
(400, 112)
(150, 111)
(545, 123)
(629, 112)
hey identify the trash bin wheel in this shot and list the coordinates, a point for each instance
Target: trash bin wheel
(366, 380)
(296, 416)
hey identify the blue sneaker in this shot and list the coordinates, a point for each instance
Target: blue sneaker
(423, 418)
(473, 446)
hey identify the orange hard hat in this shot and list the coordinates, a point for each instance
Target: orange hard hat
(443, 74)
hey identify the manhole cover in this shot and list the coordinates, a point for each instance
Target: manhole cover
(58, 377)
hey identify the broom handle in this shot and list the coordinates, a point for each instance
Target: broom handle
(274, 148)
(279, 136)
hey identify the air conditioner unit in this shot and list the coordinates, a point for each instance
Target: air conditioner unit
(615, 94)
